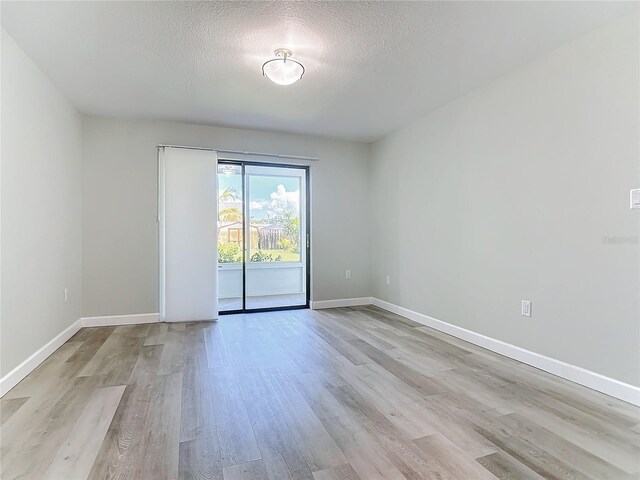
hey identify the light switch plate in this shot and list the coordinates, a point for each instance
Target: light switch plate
(634, 198)
(525, 309)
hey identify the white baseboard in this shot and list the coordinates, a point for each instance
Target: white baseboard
(12, 378)
(595, 381)
(115, 320)
(344, 302)
(582, 376)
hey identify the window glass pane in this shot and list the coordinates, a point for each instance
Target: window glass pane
(274, 207)
(230, 240)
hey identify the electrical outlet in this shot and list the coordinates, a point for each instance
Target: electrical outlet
(634, 198)
(66, 294)
(388, 280)
(525, 308)
(347, 274)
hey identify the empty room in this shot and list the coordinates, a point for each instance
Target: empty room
(320, 240)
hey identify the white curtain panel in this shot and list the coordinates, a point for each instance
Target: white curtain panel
(188, 215)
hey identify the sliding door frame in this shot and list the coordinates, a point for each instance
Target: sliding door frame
(307, 236)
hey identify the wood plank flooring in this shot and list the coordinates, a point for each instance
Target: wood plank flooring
(341, 394)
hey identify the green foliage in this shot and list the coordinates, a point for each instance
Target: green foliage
(228, 195)
(229, 215)
(260, 256)
(229, 253)
(291, 223)
(286, 245)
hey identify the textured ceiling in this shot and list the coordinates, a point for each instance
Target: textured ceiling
(371, 67)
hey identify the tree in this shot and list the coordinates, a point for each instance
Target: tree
(291, 224)
(231, 214)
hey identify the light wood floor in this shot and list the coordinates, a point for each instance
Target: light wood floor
(350, 393)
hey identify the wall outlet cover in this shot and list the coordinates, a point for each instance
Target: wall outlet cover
(634, 198)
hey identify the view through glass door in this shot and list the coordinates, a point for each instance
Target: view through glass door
(262, 237)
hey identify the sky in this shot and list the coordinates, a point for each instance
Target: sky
(269, 195)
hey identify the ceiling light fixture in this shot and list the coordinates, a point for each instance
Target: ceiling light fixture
(229, 170)
(282, 69)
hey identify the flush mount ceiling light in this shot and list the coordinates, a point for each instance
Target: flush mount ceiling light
(282, 69)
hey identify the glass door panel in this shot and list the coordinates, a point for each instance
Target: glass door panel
(276, 266)
(230, 237)
(262, 237)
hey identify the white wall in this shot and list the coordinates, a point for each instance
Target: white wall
(41, 195)
(521, 191)
(120, 233)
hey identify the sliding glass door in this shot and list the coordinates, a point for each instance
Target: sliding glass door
(263, 249)
(230, 237)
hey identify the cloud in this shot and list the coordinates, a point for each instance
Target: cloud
(283, 201)
(255, 206)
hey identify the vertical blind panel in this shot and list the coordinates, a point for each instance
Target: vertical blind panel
(190, 235)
